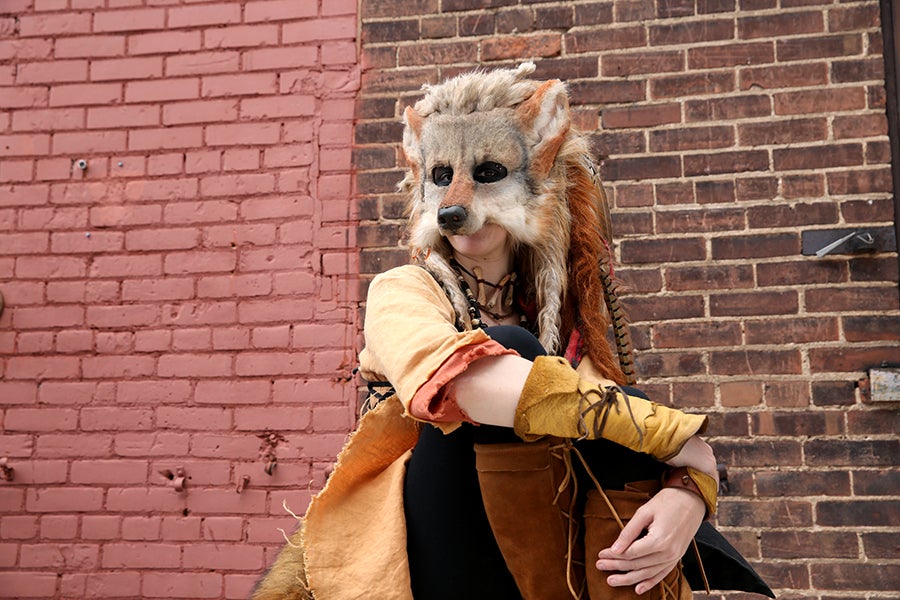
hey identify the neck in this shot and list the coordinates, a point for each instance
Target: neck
(493, 268)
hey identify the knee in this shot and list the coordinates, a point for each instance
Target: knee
(517, 338)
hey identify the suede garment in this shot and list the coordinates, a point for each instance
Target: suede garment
(354, 531)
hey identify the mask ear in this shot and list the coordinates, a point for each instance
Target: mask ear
(412, 134)
(546, 117)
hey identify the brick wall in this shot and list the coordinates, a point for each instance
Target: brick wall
(186, 301)
(726, 129)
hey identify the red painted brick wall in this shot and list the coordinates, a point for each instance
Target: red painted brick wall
(725, 129)
(189, 294)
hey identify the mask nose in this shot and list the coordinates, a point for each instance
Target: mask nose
(451, 218)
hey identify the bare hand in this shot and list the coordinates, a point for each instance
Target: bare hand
(670, 518)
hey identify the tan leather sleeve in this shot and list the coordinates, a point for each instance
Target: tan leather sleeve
(410, 334)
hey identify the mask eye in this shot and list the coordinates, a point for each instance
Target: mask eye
(489, 172)
(442, 176)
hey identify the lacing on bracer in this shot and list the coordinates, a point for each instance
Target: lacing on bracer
(608, 399)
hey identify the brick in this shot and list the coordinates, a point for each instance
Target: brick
(126, 68)
(141, 528)
(257, 364)
(151, 444)
(40, 419)
(89, 46)
(230, 558)
(636, 63)
(880, 544)
(27, 584)
(150, 91)
(784, 24)
(54, 24)
(195, 338)
(819, 544)
(850, 452)
(775, 513)
(154, 392)
(855, 576)
(89, 142)
(77, 242)
(818, 47)
(182, 263)
(194, 365)
(754, 304)
(752, 362)
(228, 286)
(731, 55)
(278, 10)
(878, 482)
(164, 42)
(858, 513)
(181, 585)
(64, 499)
(236, 392)
(822, 156)
(726, 162)
(18, 527)
(851, 298)
(60, 556)
(141, 555)
(114, 419)
(797, 424)
(48, 119)
(641, 116)
(799, 272)
(130, 20)
(795, 330)
(669, 364)
(200, 313)
(802, 483)
(171, 417)
(758, 246)
(100, 527)
(271, 418)
(687, 335)
(202, 63)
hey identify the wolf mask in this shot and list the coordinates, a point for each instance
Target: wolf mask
(498, 147)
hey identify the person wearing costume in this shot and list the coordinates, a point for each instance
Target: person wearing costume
(501, 454)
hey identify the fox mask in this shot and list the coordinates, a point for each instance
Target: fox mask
(497, 147)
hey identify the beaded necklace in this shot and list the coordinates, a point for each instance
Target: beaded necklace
(503, 292)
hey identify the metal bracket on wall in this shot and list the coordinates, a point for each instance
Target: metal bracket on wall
(820, 242)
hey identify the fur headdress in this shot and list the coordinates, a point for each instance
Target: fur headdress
(551, 204)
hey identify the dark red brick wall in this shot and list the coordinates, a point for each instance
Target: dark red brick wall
(187, 296)
(725, 128)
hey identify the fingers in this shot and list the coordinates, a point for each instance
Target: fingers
(631, 532)
(643, 579)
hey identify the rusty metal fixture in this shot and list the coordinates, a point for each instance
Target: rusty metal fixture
(177, 478)
(270, 441)
(7, 473)
(242, 483)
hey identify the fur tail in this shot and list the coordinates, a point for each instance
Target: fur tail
(286, 580)
(588, 252)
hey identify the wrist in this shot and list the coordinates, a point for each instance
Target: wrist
(695, 482)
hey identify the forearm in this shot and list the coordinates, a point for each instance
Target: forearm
(489, 390)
